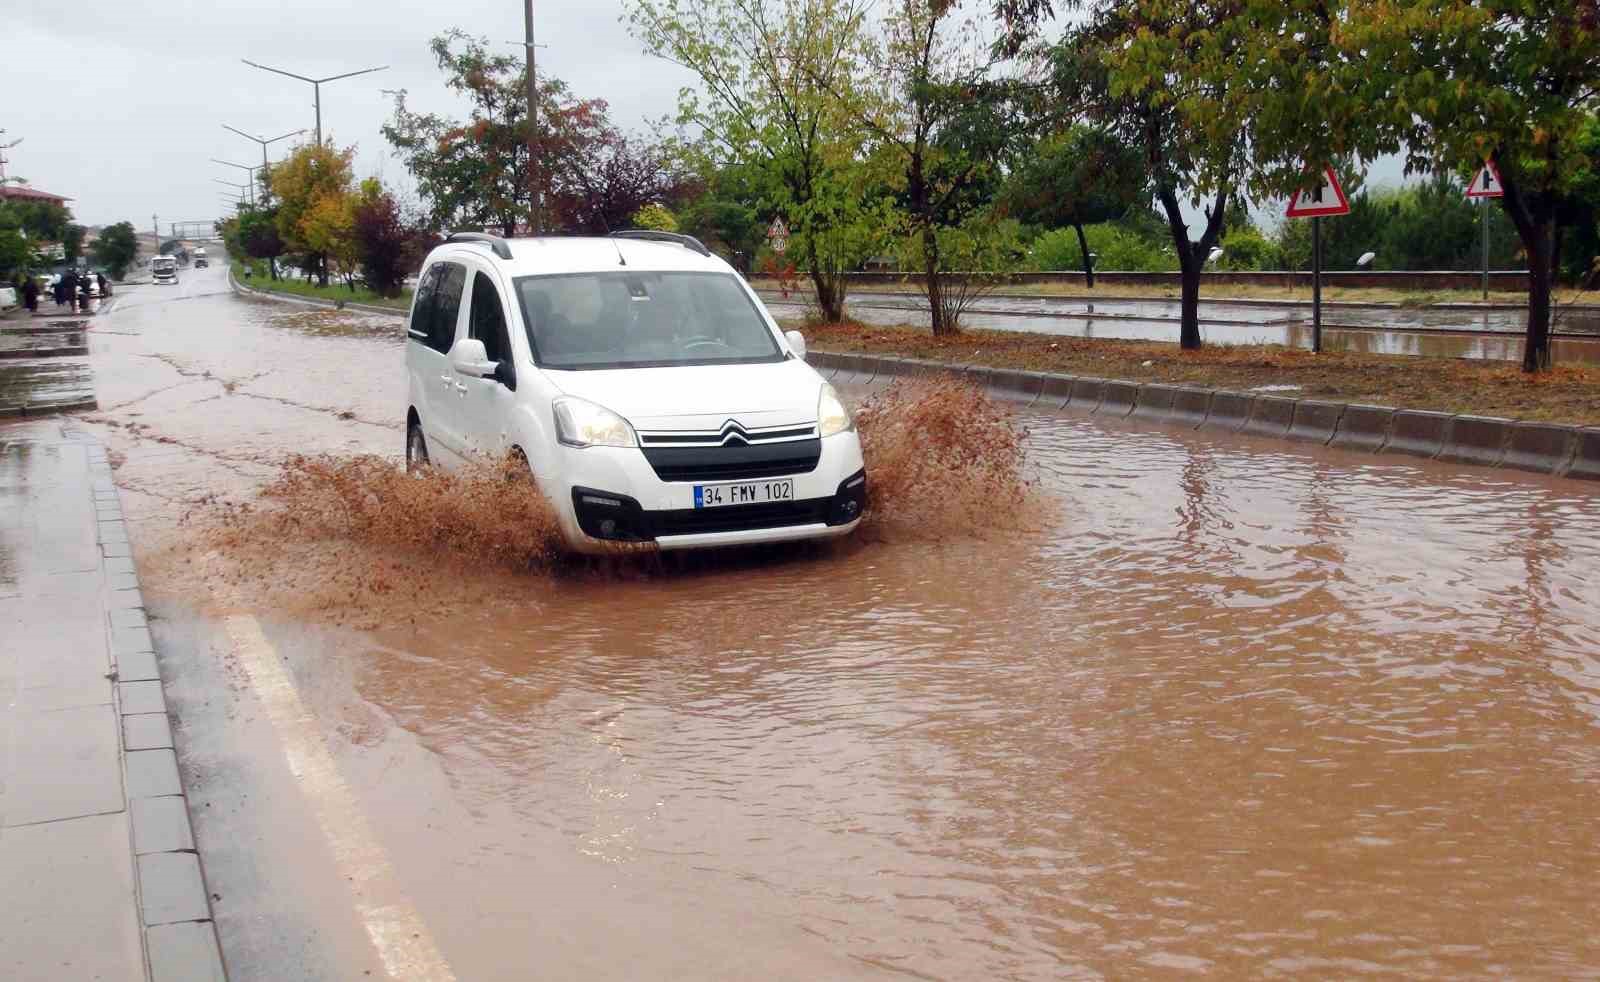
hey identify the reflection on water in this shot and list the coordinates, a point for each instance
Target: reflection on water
(1235, 709)
(1493, 335)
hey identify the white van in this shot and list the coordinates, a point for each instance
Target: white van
(164, 269)
(651, 393)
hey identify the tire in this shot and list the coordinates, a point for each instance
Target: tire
(416, 449)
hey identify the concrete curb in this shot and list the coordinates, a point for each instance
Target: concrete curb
(1486, 441)
(365, 308)
(180, 937)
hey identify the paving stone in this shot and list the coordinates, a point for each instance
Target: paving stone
(1363, 427)
(1191, 406)
(1542, 447)
(1016, 386)
(124, 599)
(185, 952)
(146, 731)
(141, 697)
(1056, 392)
(171, 888)
(1229, 410)
(61, 764)
(1270, 416)
(1155, 401)
(119, 564)
(1315, 421)
(127, 639)
(1477, 440)
(1417, 432)
(1117, 398)
(129, 617)
(138, 666)
(1087, 393)
(69, 892)
(116, 549)
(152, 773)
(161, 824)
(1586, 460)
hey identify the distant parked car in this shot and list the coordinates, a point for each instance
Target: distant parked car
(8, 298)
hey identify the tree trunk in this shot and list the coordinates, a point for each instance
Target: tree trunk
(1088, 262)
(322, 271)
(272, 267)
(1535, 219)
(1541, 258)
(1189, 308)
(942, 325)
(828, 285)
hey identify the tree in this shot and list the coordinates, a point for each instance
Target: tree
(384, 240)
(1075, 178)
(610, 178)
(1133, 68)
(259, 237)
(117, 248)
(772, 71)
(1505, 80)
(475, 172)
(655, 217)
(946, 129)
(72, 236)
(328, 228)
(16, 252)
(301, 182)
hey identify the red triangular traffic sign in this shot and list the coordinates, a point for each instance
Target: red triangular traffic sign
(1326, 199)
(1486, 183)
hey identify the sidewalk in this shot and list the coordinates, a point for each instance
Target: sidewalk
(96, 855)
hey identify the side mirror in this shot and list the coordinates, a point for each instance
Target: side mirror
(468, 357)
(797, 343)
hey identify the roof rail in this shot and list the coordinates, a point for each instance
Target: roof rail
(650, 235)
(495, 242)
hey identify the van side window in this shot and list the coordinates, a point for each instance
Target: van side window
(488, 319)
(421, 328)
(451, 286)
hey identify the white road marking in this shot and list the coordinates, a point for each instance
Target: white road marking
(394, 926)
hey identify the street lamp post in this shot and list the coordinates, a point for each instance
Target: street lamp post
(264, 143)
(533, 121)
(250, 173)
(316, 84)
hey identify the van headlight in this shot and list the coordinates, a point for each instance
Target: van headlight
(832, 417)
(583, 424)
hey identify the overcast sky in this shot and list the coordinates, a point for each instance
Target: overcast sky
(121, 104)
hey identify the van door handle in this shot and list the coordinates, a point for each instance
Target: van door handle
(461, 388)
(446, 379)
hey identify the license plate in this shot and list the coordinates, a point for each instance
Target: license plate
(742, 493)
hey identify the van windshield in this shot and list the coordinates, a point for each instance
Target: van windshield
(640, 320)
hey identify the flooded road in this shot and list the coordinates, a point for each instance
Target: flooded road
(1225, 705)
(1443, 333)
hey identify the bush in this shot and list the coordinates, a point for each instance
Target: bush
(1115, 248)
(1247, 248)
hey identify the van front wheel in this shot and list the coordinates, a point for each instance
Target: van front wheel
(416, 449)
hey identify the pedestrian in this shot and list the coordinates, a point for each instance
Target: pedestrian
(69, 288)
(58, 290)
(30, 295)
(105, 288)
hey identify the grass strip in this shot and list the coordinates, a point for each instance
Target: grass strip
(259, 280)
(1567, 394)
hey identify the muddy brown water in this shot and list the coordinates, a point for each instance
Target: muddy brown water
(1226, 705)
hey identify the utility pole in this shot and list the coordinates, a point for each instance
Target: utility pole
(155, 226)
(535, 218)
(316, 85)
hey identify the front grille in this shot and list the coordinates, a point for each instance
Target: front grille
(735, 461)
